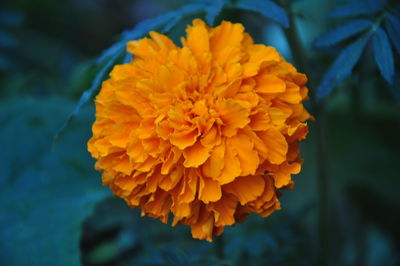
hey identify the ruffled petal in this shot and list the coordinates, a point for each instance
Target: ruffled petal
(195, 155)
(224, 210)
(245, 189)
(283, 176)
(198, 37)
(247, 156)
(227, 34)
(209, 190)
(209, 131)
(233, 116)
(231, 168)
(215, 163)
(185, 138)
(276, 145)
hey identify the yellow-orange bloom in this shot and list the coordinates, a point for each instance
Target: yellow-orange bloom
(208, 131)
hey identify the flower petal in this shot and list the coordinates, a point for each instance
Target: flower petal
(215, 163)
(231, 168)
(233, 115)
(276, 145)
(198, 37)
(246, 189)
(283, 176)
(227, 34)
(270, 84)
(224, 210)
(203, 229)
(189, 189)
(195, 155)
(211, 138)
(247, 156)
(209, 190)
(185, 138)
(171, 180)
(209, 131)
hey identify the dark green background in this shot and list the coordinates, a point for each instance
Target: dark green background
(54, 210)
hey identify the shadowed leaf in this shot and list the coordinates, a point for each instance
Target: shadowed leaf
(342, 67)
(213, 11)
(214, 7)
(266, 8)
(44, 196)
(342, 32)
(362, 7)
(383, 54)
(392, 25)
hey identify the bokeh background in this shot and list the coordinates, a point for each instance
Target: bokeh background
(54, 210)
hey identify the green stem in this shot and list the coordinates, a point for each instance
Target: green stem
(219, 247)
(300, 57)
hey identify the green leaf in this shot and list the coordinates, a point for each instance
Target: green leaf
(44, 195)
(392, 24)
(383, 54)
(214, 7)
(266, 8)
(355, 8)
(343, 32)
(213, 10)
(342, 67)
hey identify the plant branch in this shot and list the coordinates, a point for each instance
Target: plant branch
(219, 247)
(301, 59)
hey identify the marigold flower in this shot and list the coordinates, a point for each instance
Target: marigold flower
(208, 131)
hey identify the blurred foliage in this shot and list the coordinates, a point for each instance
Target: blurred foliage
(367, 23)
(46, 193)
(54, 209)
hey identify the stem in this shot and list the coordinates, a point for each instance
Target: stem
(300, 57)
(323, 193)
(219, 247)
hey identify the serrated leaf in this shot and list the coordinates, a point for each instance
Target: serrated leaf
(266, 8)
(342, 67)
(342, 32)
(383, 54)
(356, 8)
(44, 196)
(392, 24)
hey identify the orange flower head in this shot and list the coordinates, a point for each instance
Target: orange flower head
(208, 131)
